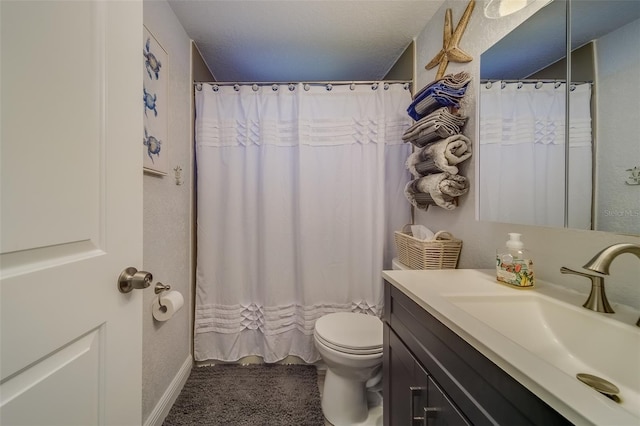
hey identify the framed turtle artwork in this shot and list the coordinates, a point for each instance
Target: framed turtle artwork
(155, 104)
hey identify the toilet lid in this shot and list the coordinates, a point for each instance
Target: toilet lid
(350, 331)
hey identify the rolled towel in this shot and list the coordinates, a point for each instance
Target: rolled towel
(441, 156)
(454, 185)
(440, 189)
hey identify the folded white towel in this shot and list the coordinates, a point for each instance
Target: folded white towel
(441, 123)
(439, 156)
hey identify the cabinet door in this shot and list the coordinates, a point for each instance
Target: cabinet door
(439, 410)
(419, 396)
(408, 386)
(413, 397)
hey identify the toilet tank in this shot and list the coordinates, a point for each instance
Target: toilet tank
(397, 265)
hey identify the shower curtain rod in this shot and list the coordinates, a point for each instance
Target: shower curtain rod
(313, 83)
(531, 80)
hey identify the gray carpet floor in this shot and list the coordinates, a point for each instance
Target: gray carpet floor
(249, 395)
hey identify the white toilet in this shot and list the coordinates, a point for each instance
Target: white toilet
(351, 346)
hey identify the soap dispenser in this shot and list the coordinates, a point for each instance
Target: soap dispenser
(513, 264)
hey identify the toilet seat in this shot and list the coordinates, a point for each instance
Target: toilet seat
(351, 333)
(347, 351)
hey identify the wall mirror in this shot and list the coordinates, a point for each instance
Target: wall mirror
(527, 173)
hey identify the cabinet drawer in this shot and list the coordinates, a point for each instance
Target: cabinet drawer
(483, 392)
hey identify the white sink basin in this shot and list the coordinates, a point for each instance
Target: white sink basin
(570, 338)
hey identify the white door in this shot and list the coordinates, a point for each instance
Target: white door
(71, 212)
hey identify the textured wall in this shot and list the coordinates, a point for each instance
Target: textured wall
(618, 204)
(199, 69)
(404, 67)
(167, 217)
(551, 248)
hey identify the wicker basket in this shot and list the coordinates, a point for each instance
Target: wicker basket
(440, 253)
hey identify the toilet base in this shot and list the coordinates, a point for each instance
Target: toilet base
(344, 402)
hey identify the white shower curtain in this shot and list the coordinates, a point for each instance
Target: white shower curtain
(299, 191)
(522, 154)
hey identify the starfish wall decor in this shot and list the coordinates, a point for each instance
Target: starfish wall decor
(450, 51)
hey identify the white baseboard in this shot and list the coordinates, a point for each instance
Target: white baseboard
(163, 406)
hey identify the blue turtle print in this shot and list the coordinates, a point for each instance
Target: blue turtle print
(149, 101)
(150, 61)
(153, 145)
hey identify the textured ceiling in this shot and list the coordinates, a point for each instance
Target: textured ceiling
(302, 40)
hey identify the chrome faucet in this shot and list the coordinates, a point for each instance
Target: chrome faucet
(597, 300)
(601, 261)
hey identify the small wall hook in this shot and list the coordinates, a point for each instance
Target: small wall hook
(178, 175)
(634, 176)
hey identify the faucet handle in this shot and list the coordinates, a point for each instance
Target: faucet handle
(597, 300)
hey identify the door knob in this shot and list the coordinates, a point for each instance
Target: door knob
(131, 278)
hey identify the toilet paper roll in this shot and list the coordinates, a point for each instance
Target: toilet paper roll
(171, 302)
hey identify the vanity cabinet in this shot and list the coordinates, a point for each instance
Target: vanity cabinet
(433, 377)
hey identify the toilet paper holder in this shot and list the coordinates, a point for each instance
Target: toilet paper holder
(159, 288)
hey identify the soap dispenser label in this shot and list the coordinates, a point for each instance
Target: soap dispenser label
(516, 272)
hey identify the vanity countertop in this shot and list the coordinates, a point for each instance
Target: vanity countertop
(433, 290)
